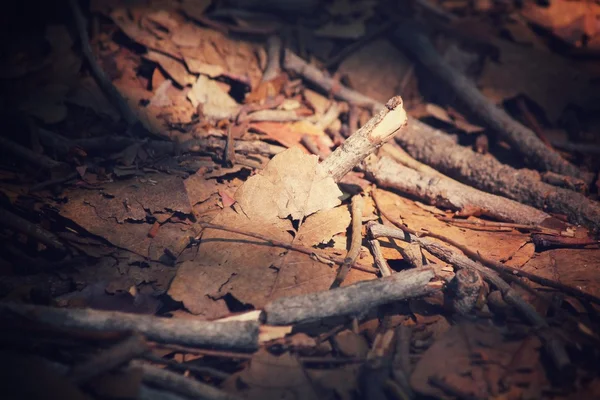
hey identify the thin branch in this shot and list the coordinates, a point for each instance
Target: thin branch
(356, 211)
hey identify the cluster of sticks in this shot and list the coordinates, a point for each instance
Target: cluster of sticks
(399, 172)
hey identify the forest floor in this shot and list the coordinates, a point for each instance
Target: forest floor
(328, 200)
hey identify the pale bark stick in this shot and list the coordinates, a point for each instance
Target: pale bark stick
(229, 335)
(366, 140)
(485, 172)
(356, 211)
(350, 300)
(447, 193)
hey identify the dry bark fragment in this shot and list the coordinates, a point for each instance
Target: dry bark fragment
(438, 150)
(447, 193)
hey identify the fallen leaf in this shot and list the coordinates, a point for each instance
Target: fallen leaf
(450, 359)
(172, 67)
(254, 271)
(216, 104)
(494, 245)
(320, 227)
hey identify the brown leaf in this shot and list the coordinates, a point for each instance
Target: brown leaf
(192, 279)
(294, 183)
(495, 245)
(216, 104)
(574, 267)
(271, 377)
(174, 68)
(251, 270)
(449, 360)
(320, 227)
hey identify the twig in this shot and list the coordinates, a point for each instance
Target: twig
(485, 172)
(349, 300)
(100, 77)
(106, 360)
(567, 182)
(555, 349)
(179, 384)
(274, 242)
(366, 140)
(544, 242)
(356, 211)
(181, 367)
(273, 68)
(505, 269)
(380, 261)
(22, 225)
(532, 121)
(39, 160)
(229, 335)
(293, 63)
(401, 361)
(518, 136)
(447, 193)
(492, 224)
(311, 146)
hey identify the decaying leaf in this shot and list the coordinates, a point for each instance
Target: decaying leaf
(216, 104)
(254, 271)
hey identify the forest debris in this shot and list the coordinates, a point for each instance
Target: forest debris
(216, 103)
(182, 385)
(305, 190)
(271, 376)
(518, 136)
(443, 192)
(576, 268)
(356, 211)
(496, 245)
(288, 135)
(191, 281)
(101, 79)
(321, 226)
(544, 241)
(367, 139)
(567, 182)
(87, 94)
(34, 231)
(227, 335)
(486, 173)
(172, 67)
(552, 343)
(115, 356)
(123, 202)
(350, 300)
(466, 288)
(454, 358)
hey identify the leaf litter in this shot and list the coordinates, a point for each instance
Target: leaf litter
(130, 215)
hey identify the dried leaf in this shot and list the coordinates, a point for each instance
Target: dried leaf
(320, 227)
(216, 104)
(174, 68)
